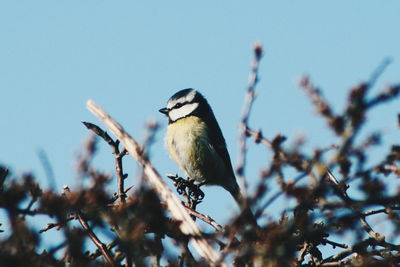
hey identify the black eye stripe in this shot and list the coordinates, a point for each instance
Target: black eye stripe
(178, 105)
(181, 104)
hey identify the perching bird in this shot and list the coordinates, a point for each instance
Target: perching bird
(195, 142)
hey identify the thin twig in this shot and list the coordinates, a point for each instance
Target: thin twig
(28, 208)
(258, 137)
(335, 244)
(98, 252)
(369, 242)
(385, 210)
(248, 103)
(56, 225)
(100, 245)
(379, 239)
(389, 94)
(347, 200)
(206, 219)
(118, 155)
(379, 71)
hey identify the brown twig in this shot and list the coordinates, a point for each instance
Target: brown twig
(385, 210)
(341, 191)
(362, 245)
(335, 244)
(58, 226)
(118, 155)
(378, 238)
(206, 219)
(98, 251)
(258, 137)
(347, 126)
(248, 103)
(388, 94)
(322, 107)
(100, 245)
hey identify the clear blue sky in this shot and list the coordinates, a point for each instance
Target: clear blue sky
(130, 57)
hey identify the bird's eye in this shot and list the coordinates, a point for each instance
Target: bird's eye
(178, 105)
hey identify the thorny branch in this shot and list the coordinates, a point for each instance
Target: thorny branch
(117, 154)
(100, 245)
(342, 124)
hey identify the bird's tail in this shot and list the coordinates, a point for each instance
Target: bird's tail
(243, 204)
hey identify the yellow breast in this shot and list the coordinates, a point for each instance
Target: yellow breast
(188, 145)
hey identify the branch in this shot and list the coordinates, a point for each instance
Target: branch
(348, 201)
(100, 245)
(322, 106)
(117, 154)
(356, 248)
(249, 100)
(377, 73)
(206, 219)
(389, 94)
(335, 244)
(385, 210)
(174, 205)
(58, 226)
(258, 137)
(98, 252)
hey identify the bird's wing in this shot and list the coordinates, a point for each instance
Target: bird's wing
(218, 142)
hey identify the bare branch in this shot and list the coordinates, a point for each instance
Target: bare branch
(100, 245)
(117, 155)
(249, 100)
(58, 226)
(343, 194)
(205, 218)
(379, 71)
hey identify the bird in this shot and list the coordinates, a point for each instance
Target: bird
(195, 142)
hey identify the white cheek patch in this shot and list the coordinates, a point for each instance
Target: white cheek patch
(183, 111)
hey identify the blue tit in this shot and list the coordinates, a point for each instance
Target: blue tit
(195, 142)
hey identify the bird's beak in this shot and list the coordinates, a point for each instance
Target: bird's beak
(164, 111)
